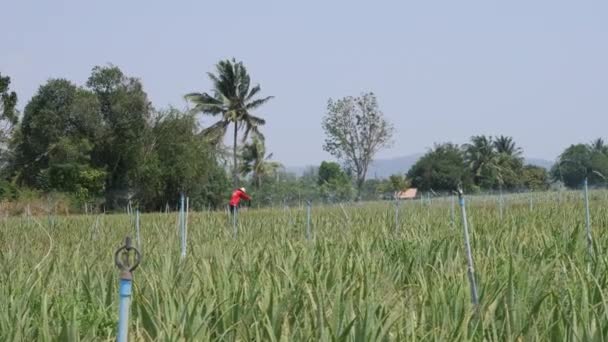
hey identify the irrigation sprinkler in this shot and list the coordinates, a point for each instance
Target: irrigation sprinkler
(308, 209)
(587, 218)
(123, 262)
(467, 244)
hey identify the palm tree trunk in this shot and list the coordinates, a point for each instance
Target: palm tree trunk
(235, 176)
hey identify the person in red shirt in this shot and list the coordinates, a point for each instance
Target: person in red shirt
(237, 196)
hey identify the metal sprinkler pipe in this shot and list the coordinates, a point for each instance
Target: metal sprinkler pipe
(467, 244)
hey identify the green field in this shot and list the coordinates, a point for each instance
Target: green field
(359, 279)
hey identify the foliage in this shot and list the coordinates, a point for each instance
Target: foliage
(125, 121)
(256, 162)
(398, 183)
(580, 161)
(535, 178)
(8, 112)
(232, 99)
(178, 159)
(494, 162)
(442, 169)
(356, 130)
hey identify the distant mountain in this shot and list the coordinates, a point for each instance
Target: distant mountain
(382, 168)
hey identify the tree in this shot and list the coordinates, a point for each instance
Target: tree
(482, 160)
(598, 145)
(257, 162)
(441, 169)
(70, 169)
(59, 110)
(355, 131)
(494, 162)
(8, 113)
(398, 183)
(126, 115)
(334, 183)
(505, 145)
(233, 100)
(178, 160)
(578, 162)
(535, 178)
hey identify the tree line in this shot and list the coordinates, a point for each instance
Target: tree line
(103, 142)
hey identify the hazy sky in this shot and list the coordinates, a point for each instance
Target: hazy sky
(442, 70)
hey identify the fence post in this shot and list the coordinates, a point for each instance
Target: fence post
(125, 285)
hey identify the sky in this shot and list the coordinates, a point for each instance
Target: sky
(441, 70)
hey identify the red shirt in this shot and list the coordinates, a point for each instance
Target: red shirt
(237, 196)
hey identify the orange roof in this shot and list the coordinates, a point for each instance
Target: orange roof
(407, 194)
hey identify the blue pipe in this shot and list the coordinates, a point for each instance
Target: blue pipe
(123, 314)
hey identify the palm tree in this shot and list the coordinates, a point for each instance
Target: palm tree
(505, 145)
(233, 100)
(257, 162)
(481, 157)
(598, 145)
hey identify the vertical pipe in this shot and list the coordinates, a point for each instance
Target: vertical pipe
(467, 243)
(182, 224)
(186, 224)
(123, 313)
(588, 218)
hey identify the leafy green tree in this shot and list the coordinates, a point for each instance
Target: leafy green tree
(482, 160)
(398, 183)
(126, 114)
(58, 110)
(8, 113)
(505, 145)
(494, 162)
(329, 171)
(257, 162)
(441, 169)
(580, 161)
(70, 169)
(598, 145)
(232, 99)
(334, 183)
(535, 178)
(179, 160)
(356, 130)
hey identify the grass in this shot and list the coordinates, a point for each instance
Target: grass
(359, 279)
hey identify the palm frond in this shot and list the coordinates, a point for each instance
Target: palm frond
(257, 103)
(215, 132)
(253, 92)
